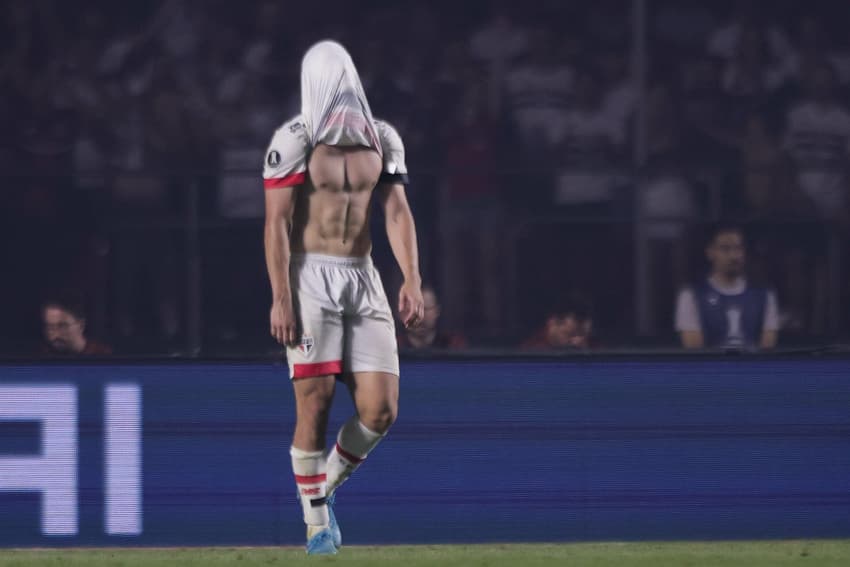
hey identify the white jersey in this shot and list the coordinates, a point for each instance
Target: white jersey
(289, 153)
(333, 103)
(334, 111)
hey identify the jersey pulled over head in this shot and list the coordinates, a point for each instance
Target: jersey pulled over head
(333, 103)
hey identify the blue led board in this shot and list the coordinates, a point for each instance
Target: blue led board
(500, 450)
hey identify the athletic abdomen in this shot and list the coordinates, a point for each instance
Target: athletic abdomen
(332, 212)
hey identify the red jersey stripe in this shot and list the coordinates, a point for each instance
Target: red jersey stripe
(288, 181)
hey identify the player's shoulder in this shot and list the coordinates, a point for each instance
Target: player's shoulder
(287, 154)
(291, 134)
(389, 136)
(395, 165)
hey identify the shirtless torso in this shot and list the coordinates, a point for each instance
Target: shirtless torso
(332, 210)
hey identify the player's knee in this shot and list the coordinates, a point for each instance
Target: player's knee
(379, 419)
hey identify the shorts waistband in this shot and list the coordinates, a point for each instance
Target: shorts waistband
(339, 261)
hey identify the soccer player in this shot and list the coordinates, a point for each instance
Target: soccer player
(329, 307)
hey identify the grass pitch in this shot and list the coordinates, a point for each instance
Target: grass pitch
(811, 553)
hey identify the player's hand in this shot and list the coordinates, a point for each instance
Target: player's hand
(411, 306)
(282, 319)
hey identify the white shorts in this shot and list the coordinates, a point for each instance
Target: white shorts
(343, 316)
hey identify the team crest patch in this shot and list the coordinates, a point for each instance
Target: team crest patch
(306, 344)
(273, 158)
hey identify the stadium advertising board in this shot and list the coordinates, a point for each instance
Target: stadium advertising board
(522, 450)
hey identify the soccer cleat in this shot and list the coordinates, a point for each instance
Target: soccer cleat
(321, 543)
(333, 526)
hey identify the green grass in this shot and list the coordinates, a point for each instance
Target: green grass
(816, 553)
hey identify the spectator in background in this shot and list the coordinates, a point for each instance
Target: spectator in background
(812, 44)
(497, 43)
(568, 325)
(428, 335)
(178, 26)
(50, 228)
(768, 183)
(683, 24)
(232, 306)
(538, 91)
(591, 146)
(747, 14)
(471, 218)
(724, 310)
(603, 22)
(263, 52)
(249, 111)
(698, 91)
(818, 139)
(64, 325)
(751, 71)
(155, 144)
(499, 39)
(620, 91)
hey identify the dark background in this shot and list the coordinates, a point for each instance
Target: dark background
(133, 138)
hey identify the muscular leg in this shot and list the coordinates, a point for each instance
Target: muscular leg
(313, 397)
(375, 396)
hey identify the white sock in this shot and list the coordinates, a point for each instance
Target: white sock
(353, 443)
(311, 479)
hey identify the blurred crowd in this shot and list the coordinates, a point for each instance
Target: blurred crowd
(562, 177)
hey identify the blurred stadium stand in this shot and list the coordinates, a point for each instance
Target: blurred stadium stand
(554, 148)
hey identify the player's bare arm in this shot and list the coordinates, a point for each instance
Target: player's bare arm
(401, 232)
(280, 206)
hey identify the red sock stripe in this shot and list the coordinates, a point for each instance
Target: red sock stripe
(348, 456)
(314, 479)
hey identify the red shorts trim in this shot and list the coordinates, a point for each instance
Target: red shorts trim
(314, 479)
(288, 181)
(316, 369)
